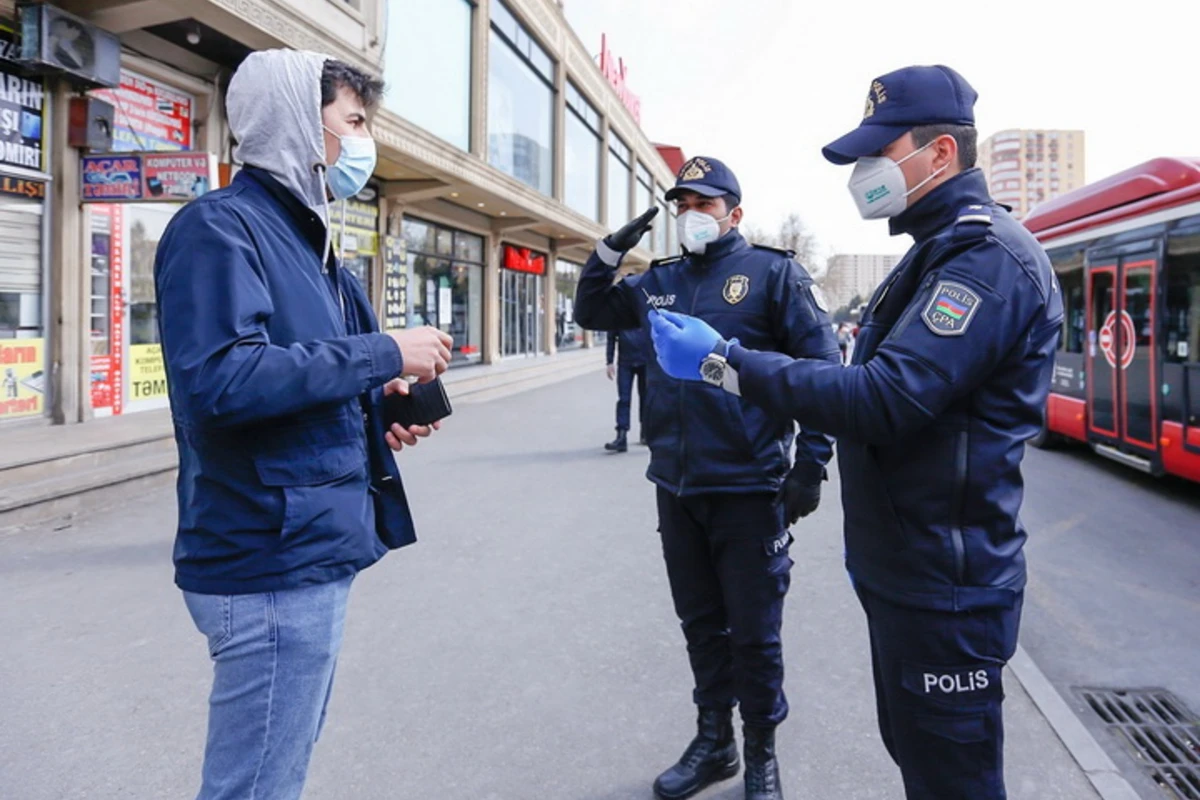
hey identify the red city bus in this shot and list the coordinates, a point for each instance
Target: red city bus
(1126, 251)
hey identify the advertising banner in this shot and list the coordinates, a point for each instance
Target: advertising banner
(22, 378)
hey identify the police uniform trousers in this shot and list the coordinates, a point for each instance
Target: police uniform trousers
(938, 695)
(729, 569)
(626, 373)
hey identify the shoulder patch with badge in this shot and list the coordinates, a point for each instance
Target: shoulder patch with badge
(818, 296)
(736, 289)
(951, 309)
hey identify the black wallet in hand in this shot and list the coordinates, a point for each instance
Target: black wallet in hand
(425, 404)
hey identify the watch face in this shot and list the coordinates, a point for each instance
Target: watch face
(712, 371)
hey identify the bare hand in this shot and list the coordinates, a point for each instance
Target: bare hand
(426, 351)
(611, 371)
(397, 436)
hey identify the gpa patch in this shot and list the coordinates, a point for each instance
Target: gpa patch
(951, 309)
(736, 289)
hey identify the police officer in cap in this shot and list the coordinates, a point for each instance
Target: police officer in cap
(726, 496)
(949, 377)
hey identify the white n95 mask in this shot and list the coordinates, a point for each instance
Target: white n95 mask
(697, 230)
(878, 188)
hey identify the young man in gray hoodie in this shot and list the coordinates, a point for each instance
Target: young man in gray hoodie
(277, 372)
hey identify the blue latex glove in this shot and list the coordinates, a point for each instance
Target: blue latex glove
(682, 342)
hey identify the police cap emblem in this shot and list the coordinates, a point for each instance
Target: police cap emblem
(695, 170)
(736, 289)
(951, 309)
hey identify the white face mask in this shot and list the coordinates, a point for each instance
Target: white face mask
(698, 230)
(878, 187)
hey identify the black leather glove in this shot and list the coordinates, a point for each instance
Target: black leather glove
(627, 237)
(801, 491)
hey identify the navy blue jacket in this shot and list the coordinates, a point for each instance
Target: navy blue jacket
(701, 439)
(275, 379)
(632, 346)
(950, 375)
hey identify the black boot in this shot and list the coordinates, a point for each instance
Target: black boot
(712, 756)
(619, 444)
(762, 770)
(642, 438)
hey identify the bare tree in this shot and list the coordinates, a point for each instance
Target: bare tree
(792, 235)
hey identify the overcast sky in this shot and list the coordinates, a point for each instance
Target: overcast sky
(764, 84)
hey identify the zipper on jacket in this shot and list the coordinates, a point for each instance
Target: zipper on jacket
(683, 408)
(961, 451)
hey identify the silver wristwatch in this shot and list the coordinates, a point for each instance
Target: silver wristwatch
(715, 370)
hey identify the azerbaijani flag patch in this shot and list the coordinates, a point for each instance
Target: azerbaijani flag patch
(951, 309)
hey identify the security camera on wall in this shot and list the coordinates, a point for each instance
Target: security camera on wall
(55, 42)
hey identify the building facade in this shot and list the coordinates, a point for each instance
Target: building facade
(850, 275)
(1027, 167)
(497, 171)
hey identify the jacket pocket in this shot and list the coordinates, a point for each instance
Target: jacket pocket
(325, 489)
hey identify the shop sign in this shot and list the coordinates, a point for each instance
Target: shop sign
(22, 187)
(614, 72)
(107, 371)
(108, 179)
(22, 110)
(361, 226)
(147, 177)
(22, 378)
(149, 116)
(147, 372)
(395, 283)
(179, 176)
(522, 259)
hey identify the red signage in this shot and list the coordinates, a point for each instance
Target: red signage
(1108, 339)
(108, 178)
(522, 259)
(150, 116)
(176, 176)
(614, 72)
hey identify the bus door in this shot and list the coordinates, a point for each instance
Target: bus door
(1122, 367)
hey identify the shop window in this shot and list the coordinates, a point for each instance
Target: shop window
(582, 157)
(520, 103)
(567, 334)
(446, 284)
(645, 200)
(421, 33)
(619, 176)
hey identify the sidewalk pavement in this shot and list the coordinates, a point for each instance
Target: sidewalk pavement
(525, 648)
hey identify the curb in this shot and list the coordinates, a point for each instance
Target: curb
(1100, 770)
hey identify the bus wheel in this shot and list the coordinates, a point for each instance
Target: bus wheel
(1044, 439)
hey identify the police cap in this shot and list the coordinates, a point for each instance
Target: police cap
(903, 100)
(706, 176)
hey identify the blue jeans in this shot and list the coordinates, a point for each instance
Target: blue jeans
(273, 656)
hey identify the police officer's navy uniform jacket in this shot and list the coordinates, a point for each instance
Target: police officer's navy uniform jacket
(285, 478)
(949, 378)
(703, 440)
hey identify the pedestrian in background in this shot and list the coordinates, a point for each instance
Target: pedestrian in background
(630, 349)
(277, 372)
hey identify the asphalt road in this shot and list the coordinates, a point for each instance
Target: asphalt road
(524, 648)
(1114, 591)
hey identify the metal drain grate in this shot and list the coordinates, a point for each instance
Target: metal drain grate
(1162, 732)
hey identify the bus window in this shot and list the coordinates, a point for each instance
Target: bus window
(1074, 311)
(1183, 308)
